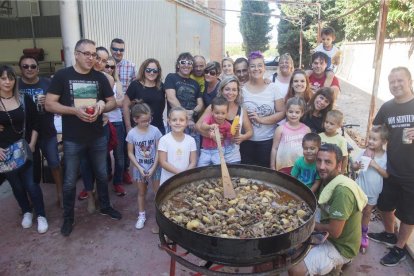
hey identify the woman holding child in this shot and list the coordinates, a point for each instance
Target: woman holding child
(229, 88)
(265, 107)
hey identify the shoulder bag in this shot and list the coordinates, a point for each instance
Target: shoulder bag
(18, 153)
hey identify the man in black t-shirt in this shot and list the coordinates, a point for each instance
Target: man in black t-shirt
(31, 84)
(81, 95)
(396, 199)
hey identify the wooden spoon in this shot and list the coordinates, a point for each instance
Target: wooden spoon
(227, 185)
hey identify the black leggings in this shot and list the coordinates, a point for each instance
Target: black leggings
(256, 152)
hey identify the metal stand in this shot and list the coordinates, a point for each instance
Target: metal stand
(280, 264)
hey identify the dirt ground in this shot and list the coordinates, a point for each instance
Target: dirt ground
(101, 246)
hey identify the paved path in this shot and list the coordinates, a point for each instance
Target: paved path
(101, 246)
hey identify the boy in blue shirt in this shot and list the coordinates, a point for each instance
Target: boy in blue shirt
(305, 166)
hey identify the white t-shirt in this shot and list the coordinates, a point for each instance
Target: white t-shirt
(116, 114)
(144, 145)
(263, 104)
(330, 53)
(178, 153)
(283, 87)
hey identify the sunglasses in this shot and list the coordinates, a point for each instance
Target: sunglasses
(110, 66)
(211, 73)
(118, 49)
(151, 70)
(27, 66)
(185, 62)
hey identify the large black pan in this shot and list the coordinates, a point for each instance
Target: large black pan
(237, 252)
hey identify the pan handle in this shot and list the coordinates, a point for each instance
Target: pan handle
(318, 237)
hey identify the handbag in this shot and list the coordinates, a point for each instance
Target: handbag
(18, 153)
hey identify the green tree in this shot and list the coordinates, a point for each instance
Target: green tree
(254, 25)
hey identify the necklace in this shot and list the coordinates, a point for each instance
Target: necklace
(6, 98)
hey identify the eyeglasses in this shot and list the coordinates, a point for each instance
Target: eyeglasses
(88, 54)
(152, 70)
(118, 49)
(110, 66)
(211, 73)
(99, 59)
(27, 66)
(185, 62)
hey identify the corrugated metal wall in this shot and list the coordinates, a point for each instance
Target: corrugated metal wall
(159, 29)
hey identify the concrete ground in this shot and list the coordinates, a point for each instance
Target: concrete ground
(101, 246)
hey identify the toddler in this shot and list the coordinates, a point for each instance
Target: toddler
(209, 153)
(333, 122)
(305, 166)
(370, 178)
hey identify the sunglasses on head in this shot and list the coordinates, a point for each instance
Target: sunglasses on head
(110, 66)
(118, 49)
(185, 62)
(151, 70)
(27, 66)
(211, 72)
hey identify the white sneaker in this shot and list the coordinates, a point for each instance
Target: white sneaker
(27, 220)
(140, 223)
(42, 225)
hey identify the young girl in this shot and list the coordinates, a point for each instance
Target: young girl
(177, 151)
(287, 141)
(299, 86)
(371, 178)
(143, 139)
(320, 103)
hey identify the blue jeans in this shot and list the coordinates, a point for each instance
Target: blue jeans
(118, 153)
(95, 150)
(49, 147)
(21, 182)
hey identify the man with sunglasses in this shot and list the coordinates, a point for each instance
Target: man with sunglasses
(81, 95)
(127, 73)
(183, 91)
(31, 84)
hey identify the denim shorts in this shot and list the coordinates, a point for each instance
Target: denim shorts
(138, 177)
(49, 147)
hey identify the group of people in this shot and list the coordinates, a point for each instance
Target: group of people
(287, 123)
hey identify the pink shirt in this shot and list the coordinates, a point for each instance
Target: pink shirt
(224, 129)
(290, 147)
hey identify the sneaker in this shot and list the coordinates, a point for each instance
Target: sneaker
(126, 178)
(27, 220)
(364, 241)
(67, 227)
(394, 257)
(140, 223)
(109, 211)
(83, 195)
(42, 225)
(119, 190)
(389, 239)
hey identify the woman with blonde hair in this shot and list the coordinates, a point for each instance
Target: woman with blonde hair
(229, 89)
(284, 73)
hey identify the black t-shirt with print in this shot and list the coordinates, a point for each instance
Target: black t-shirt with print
(152, 96)
(46, 119)
(70, 85)
(399, 156)
(187, 90)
